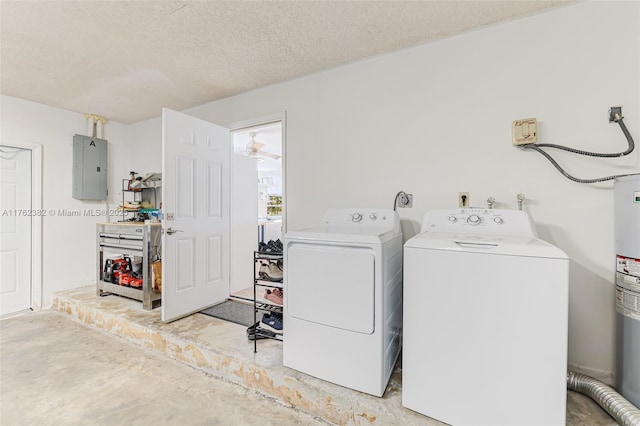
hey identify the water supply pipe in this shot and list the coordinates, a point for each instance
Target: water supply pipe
(625, 413)
(94, 125)
(490, 202)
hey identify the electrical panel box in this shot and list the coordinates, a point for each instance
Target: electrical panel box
(89, 168)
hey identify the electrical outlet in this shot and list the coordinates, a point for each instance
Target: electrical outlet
(405, 201)
(615, 114)
(525, 131)
(463, 199)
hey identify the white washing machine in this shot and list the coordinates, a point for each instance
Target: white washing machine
(343, 298)
(485, 320)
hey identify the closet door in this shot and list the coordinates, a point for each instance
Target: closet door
(15, 230)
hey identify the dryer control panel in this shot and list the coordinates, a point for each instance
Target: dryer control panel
(480, 221)
(362, 217)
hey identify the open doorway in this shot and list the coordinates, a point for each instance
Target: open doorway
(261, 145)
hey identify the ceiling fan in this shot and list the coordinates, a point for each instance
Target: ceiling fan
(254, 148)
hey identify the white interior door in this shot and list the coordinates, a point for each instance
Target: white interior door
(15, 230)
(195, 197)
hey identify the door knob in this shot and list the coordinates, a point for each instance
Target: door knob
(172, 231)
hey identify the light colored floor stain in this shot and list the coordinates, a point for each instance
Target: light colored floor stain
(56, 371)
(370, 419)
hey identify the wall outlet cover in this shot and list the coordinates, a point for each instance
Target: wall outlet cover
(525, 131)
(463, 199)
(406, 203)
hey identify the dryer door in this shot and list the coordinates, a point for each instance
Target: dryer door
(331, 285)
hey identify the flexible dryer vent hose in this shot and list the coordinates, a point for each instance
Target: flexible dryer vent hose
(625, 413)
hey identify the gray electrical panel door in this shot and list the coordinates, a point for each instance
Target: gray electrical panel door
(89, 168)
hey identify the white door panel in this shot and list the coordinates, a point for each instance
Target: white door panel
(195, 194)
(185, 263)
(185, 188)
(15, 230)
(215, 190)
(214, 258)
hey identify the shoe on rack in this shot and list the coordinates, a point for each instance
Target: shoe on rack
(273, 295)
(264, 271)
(274, 247)
(270, 272)
(275, 272)
(272, 322)
(261, 334)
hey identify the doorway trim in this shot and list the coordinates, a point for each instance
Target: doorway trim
(263, 121)
(36, 220)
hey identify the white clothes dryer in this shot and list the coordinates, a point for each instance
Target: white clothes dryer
(343, 298)
(485, 320)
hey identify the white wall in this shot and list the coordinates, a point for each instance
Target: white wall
(68, 251)
(436, 119)
(144, 146)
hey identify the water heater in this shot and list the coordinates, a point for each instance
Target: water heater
(627, 235)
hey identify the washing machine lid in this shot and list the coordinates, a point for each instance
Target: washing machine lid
(340, 234)
(509, 245)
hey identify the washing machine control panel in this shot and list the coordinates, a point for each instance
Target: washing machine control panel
(474, 219)
(465, 218)
(483, 221)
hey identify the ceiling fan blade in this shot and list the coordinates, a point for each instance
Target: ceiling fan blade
(270, 155)
(254, 146)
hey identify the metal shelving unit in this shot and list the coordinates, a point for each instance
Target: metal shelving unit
(129, 239)
(140, 195)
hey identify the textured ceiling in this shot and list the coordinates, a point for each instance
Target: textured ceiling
(125, 60)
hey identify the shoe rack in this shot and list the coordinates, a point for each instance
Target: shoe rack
(260, 284)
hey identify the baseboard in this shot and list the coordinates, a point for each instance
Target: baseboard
(606, 377)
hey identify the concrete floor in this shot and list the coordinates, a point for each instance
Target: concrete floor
(121, 365)
(57, 371)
